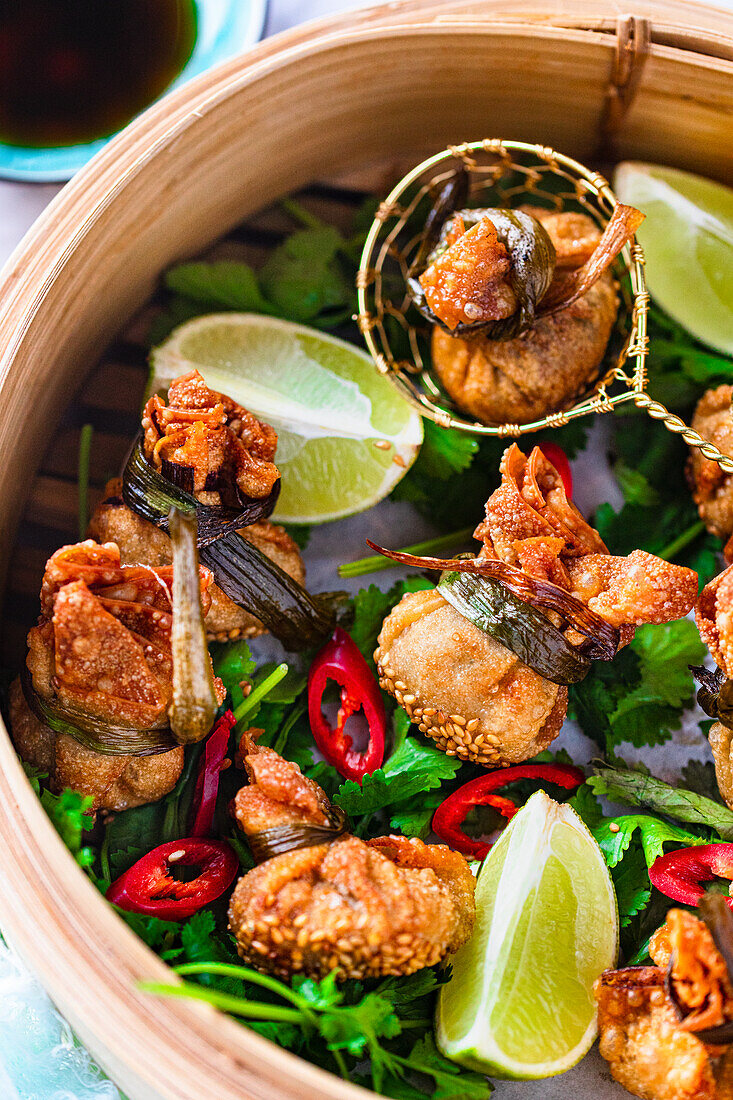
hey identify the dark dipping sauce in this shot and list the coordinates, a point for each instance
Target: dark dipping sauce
(72, 71)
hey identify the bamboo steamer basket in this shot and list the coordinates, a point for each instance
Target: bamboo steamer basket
(378, 87)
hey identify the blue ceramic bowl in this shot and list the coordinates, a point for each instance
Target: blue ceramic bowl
(225, 28)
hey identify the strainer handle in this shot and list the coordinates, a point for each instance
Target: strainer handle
(673, 423)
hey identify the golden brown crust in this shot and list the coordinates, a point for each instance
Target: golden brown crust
(531, 523)
(278, 793)
(712, 488)
(469, 281)
(699, 973)
(651, 1046)
(715, 621)
(114, 782)
(141, 541)
(720, 739)
(474, 697)
(103, 640)
(516, 381)
(103, 647)
(348, 906)
(646, 1051)
(714, 618)
(384, 906)
(466, 690)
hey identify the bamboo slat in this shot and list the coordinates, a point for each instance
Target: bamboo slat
(362, 96)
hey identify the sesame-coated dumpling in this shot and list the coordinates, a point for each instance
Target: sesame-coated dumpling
(465, 689)
(387, 906)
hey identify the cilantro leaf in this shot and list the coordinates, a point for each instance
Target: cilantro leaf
(372, 605)
(224, 284)
(445, 452)
(411, 820)
(640, 696)
(197, 937)
(614, 836)
(69, 812)
(634, 486)
(632, 886)
(586, 806)
(452, 1082)
(645, 714)
(471, 466)
(233, 664)
(302, 278)
(356, 1028)
(413, 769)
(159, 934)
(637, 789)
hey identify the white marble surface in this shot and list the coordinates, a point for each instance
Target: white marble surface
(22, 998)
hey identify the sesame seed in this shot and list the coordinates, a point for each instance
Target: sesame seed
(175, 856)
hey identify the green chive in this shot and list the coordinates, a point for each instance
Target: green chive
(257, 694)
(377, 562)
(85, 447)
(683, 540)
(253, 1010)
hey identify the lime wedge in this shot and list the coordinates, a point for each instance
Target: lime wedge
(345, 436)
(688, 240)
(520, 1000)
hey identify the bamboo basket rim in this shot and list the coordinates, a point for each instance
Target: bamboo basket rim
(180, 1033)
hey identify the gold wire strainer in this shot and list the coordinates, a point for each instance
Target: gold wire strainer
(501, 173)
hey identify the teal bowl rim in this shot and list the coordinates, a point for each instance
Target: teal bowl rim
(241, 27)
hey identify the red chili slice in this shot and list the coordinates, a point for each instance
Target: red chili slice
(556, 455)
(207, 781)
(450, 815)
(680, 874)
(148, 887)
(341, 661)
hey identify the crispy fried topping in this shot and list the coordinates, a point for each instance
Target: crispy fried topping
(141, 541)
(468, 282)
(699, 975)
(575, 236)
(278, 792)
(646, 1049)
(649, 1040)
(531, 523)
(466, 690)
(222, 444)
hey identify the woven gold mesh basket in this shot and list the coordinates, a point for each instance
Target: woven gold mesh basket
(501, 173)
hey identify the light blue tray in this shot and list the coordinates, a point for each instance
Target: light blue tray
(225, 28)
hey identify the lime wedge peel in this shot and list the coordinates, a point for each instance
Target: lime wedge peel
(345, 436)
(520, 1000)
(688, 241)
